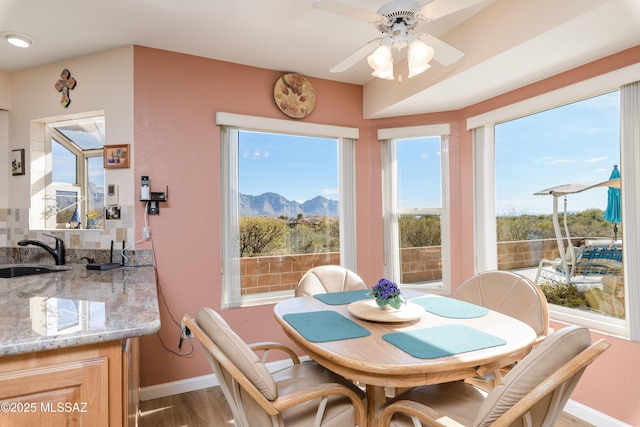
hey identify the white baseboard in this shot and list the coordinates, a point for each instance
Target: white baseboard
(592, 416)
(177, 387)
(574, 408)
(196, 383)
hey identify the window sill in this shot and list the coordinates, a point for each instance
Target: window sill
(435, 287)
(254, 300)
(596, 322)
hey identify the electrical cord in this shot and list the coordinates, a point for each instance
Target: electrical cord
(166, 306)
(146, 236)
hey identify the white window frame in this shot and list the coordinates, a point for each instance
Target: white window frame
(484, 185)
(391, 212)
(42, 189)
(81, 186)
(231, 124)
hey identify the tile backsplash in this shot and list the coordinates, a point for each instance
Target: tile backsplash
(95, 244)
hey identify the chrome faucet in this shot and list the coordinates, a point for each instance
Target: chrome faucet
(57, 253)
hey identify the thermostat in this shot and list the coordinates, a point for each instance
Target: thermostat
(112, 194)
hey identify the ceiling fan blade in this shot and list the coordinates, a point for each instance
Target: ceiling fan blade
(445, 54)
(439, 8)
(356, 56)
(344, 9)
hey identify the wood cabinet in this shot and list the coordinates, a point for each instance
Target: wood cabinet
(92, 385)
(131, 382)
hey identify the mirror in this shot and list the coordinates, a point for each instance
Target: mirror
(68, 173)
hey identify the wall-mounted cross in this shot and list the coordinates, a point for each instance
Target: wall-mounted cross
(63, 85)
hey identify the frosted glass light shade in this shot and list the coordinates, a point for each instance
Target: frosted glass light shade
(382, 62)
(419, 56)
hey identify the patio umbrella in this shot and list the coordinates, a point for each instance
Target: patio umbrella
(612, 213)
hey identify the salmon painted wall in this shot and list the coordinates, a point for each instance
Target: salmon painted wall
(177, 144)
(175, 102)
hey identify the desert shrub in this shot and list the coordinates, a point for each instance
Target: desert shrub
(565, 294)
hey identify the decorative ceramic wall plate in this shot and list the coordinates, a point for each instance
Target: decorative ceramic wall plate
(294, 95)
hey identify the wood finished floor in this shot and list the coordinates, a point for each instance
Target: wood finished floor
(208, 408)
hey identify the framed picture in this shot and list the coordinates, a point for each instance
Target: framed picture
(17, 162)
(116, 156)
(113, 212)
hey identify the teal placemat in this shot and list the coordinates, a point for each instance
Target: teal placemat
(440, 341)
(321, 326)
(346, 297)
(450, 307)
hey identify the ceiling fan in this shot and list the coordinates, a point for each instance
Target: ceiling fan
(397, 21)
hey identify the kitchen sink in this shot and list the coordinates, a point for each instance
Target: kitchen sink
(18, 271)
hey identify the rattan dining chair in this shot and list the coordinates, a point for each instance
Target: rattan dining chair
(511, 294)
(303, 394)
(533, 393)
(328, 278)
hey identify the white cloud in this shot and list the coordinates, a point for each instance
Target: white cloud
(596, 159)
(256, 154)
(552, 161)
(327, 192)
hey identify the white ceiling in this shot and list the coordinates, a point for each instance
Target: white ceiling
(507, 43)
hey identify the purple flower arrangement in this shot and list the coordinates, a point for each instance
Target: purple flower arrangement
(387, 292)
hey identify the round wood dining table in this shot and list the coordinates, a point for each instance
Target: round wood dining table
(374, 361)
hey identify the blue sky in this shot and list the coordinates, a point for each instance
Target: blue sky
(297, 168)
(419, 173)
(289, 166)
(65, 167)
(576, 143)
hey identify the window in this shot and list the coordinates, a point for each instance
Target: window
(70, 188)
(288, 204)
(415, 207)
(619, 123)
(571, 144)
(288, 195)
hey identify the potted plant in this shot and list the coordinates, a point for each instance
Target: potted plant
(387, 294)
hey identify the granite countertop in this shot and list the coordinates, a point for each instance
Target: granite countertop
(76, 307)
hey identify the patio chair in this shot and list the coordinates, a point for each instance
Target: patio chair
(589, 261)
(534, 393)
(598, 260)
(303, 394)
(511, 294)
(328, 278)
(557, 265)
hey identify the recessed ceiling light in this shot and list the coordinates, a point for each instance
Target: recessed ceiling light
(18, 40)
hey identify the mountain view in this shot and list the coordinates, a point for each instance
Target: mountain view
(274, 205)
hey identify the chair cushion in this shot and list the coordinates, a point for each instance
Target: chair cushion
(328, 278)
(507, 293)
(551, 355)
(459, 401)
(245, 359)
(339, 411)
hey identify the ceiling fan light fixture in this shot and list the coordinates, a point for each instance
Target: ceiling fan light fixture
(381, 57)
(397, 20)
(381, 61)
(384, 73)
(418, 57)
